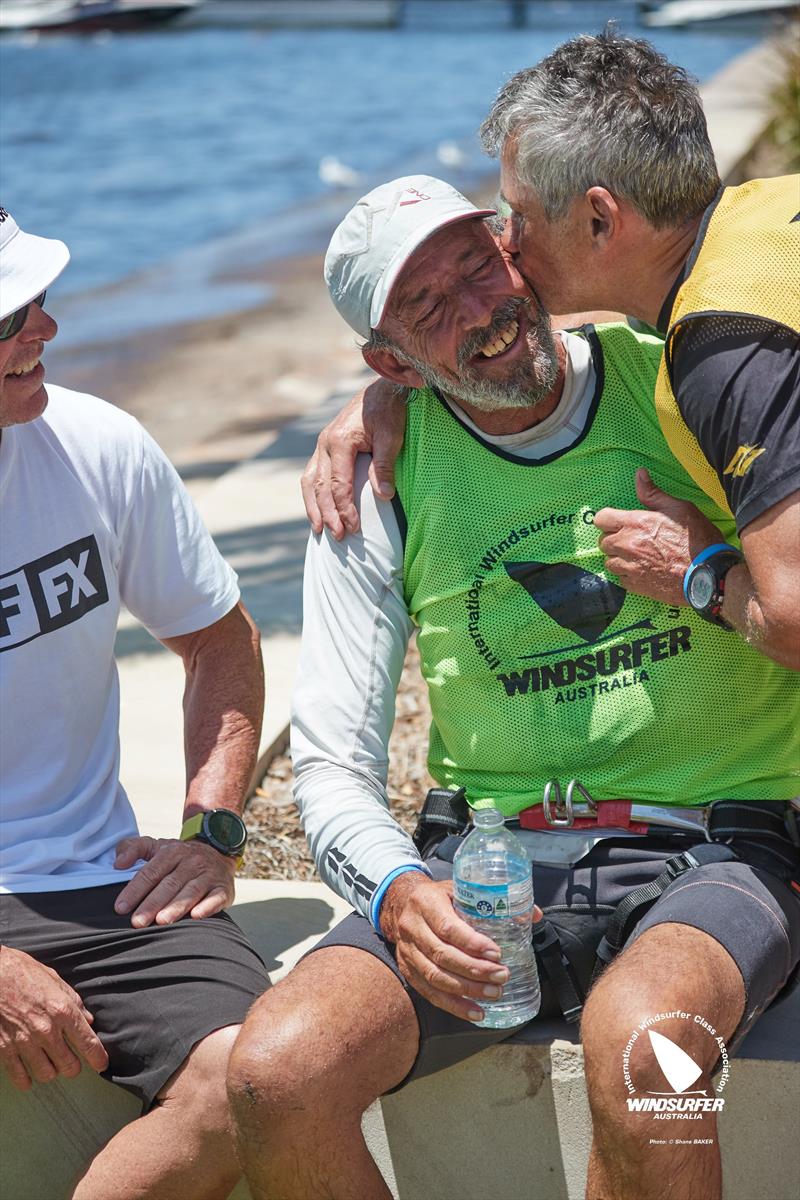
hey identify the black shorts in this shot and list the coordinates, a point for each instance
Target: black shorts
(749, 911)
(154, 992)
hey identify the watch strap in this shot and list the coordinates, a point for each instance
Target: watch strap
(730, 556)
(192, 829)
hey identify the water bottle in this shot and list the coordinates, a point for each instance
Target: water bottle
(493, 892)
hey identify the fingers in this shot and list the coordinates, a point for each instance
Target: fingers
(164, 860)
(217, 899)
(87, 1046)
(385, 418)
(342, 471)
(447, 961)
(307, 481)
(131, 849)
(611, 520)
(180, 876)
(15, 1069)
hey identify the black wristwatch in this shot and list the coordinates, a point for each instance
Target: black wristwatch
(704, 581)
(218, 827)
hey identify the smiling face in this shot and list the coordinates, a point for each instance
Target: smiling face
(22, 392)
(462, 315)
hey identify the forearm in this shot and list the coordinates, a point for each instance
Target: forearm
(355, 841)
(223, 709)
(761, 593)
(771, 626)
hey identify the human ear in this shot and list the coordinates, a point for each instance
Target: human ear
(604, 215)
(385, 363)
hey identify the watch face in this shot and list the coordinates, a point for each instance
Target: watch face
(701, 587)
(227, 829)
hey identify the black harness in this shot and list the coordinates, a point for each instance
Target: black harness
(769, 834)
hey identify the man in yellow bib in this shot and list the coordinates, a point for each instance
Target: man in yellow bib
(616, 204)
(539, 668)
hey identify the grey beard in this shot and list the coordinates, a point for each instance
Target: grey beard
(531, 382)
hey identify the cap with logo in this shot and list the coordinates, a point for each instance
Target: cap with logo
(28, 264)
(378, 236)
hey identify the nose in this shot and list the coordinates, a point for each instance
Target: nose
(476, 308)
(39, 326)
(509, 239)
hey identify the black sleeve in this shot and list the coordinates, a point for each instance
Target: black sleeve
(737, 384)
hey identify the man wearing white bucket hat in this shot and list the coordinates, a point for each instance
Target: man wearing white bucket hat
(102, 964)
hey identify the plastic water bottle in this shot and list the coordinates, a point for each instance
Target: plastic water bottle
(493, 892)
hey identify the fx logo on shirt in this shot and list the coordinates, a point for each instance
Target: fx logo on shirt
(52, 591)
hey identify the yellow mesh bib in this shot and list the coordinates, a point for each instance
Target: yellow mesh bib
(748, 265)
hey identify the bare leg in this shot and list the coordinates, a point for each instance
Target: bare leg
(670, 967)
(314, 1053)
(184, 1146)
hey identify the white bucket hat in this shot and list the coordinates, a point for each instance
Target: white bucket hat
(28, 264)
(378, 236)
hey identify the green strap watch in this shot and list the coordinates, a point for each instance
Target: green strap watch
(218, 827)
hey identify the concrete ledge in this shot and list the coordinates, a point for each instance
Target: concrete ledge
(512, 1123)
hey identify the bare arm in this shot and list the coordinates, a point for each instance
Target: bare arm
(223, 707)
(650, 550)
(761, 595)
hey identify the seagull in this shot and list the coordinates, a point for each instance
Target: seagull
(337, 174)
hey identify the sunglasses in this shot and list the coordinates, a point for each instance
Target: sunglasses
(14, 321)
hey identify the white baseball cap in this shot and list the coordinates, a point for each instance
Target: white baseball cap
(28, 264)
(378, 236)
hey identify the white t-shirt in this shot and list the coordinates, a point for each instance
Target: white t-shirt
(92, 514)
(355, 633)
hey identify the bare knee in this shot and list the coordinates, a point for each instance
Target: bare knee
(671, 969)
(329, 1039)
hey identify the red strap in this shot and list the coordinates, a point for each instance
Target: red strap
(614, 814)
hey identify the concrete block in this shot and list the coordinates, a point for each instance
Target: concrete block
(513, 1123)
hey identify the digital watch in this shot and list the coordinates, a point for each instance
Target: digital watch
(218, 827)
(704, 581)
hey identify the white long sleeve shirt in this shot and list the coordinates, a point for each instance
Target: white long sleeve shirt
(356, 629)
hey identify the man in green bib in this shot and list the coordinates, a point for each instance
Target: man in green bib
(541, 669)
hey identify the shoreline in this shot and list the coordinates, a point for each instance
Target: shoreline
(216, 389)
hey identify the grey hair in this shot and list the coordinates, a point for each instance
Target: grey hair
(611, 111)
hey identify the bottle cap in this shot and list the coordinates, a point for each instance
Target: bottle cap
(487, 818)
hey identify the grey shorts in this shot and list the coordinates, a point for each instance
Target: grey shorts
(154, 992)
(748, 910)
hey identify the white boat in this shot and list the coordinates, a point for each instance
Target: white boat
(88, 16)
(715, 13)
(297, 14)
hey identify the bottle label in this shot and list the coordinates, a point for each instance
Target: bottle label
(493, 900)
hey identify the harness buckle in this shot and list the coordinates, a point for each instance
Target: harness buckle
(680, 864)
(560, 813)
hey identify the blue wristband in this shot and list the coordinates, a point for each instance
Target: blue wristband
(383, 887)
(702, 557)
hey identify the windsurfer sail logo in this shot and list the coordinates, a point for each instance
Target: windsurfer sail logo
(679, 1070)
(577, 645)
(577, 600)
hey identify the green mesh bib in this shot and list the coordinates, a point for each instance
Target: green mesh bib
(538, 664)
